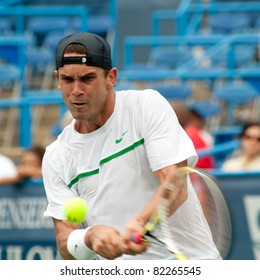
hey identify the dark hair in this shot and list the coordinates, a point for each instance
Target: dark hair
(246, 126)
(197, 114)
(37, 150)
(75, 48)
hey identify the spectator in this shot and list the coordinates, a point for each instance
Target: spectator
(30, 166)
(247, 157)
(182, 111)
(193, 121)
(7, 167)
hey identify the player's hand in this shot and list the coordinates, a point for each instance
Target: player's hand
(106, 241)
(136, 225)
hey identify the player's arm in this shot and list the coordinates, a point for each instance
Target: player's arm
(106, 241)
(179, 192)
(178, 196)
(62, 231)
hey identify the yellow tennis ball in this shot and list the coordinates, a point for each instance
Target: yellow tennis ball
(75, 210)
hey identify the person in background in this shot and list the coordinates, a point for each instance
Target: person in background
(30, 166)
(182, 111)
(7, 167)
(247, 157)
(193, 121)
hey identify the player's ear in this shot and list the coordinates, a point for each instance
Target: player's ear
(56, 75)
(111, 77)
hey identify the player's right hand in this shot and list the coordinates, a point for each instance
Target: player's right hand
(107, 242)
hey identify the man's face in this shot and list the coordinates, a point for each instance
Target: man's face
(85, 89)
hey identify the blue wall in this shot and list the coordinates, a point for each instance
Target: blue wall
(242, 192)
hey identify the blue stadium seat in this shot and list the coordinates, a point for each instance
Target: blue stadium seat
(170, 57)
(254, 83)
(98, 24)
(40, 65)
(206, 108)
(38, 58)
(222, 23)
(52, 39)
(256, 23)
(234, 95)
(180, 91)
(12, 57)
(241, 55)
(40, 26)
(44, 24)
(6, 25)
(10, 82)
(226, 133)
(9, 73)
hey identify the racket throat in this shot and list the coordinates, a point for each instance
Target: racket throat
(149, 237)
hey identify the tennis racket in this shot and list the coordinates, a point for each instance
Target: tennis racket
(214, 207)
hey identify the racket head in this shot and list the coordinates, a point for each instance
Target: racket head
(215, 208)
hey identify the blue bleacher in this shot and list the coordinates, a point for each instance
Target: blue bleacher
(226, 56)
(42, 17)
(190, 70)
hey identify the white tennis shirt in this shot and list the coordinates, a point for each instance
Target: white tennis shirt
(112, 168)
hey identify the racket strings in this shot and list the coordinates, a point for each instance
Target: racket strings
(213, 205)
(215, 210)
(221, 226)
(167, 236)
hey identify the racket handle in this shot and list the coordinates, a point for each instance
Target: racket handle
(137, 237)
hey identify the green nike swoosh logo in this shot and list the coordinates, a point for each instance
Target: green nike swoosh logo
(120, 139)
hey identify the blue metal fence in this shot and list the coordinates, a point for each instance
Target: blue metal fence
(191, 69)
(188, 15)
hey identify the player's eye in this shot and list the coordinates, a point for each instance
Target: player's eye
(67, 79)
(87, 78)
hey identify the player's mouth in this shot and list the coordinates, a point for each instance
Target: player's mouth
(78, 104)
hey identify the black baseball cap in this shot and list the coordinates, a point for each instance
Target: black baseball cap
(98, 52)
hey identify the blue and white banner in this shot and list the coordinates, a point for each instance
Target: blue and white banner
(26, 235)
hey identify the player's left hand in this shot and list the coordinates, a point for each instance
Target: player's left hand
(136, 225)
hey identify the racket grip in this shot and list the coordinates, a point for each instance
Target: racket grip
(137, 237)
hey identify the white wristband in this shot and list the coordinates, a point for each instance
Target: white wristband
(77, 247)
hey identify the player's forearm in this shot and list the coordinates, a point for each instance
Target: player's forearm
(178, 194)
(144, 216)
(63, 230)
(62, 240)
(62, 248)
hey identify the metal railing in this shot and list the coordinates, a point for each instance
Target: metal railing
(188, 9)
(190, 70)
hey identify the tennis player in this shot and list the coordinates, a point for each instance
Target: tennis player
(119, 151)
